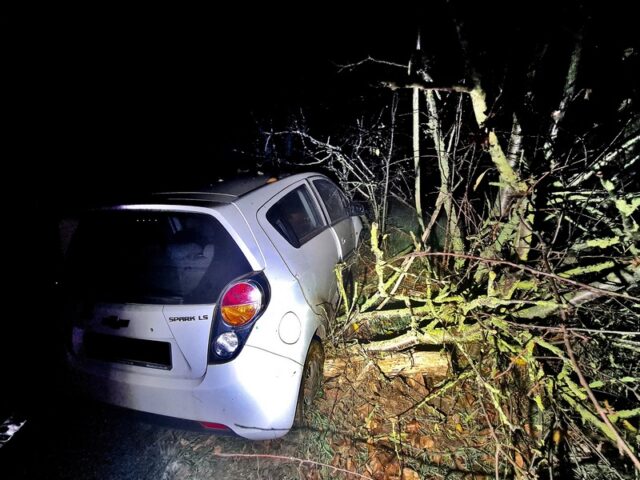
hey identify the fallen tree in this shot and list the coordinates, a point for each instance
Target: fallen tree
(528, 244)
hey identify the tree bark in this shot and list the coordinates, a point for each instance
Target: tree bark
(406, 364)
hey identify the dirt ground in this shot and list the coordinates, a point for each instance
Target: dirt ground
(364, 423)
(407, 427)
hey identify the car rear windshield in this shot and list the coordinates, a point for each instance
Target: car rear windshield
(153, 257)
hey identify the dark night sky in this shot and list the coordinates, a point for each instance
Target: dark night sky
(112, 100)
(107, 98)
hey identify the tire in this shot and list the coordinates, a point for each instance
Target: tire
(310, 384)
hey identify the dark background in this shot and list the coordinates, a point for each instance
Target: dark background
(110, 101)
(104, 101)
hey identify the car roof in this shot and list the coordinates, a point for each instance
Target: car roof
(228, 191)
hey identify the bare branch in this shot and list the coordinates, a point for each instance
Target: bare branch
(608, 158)
(568, 93)
(369, 59)
(387, 161)
(622, 445)
(416, 156)
(575, 329)
(467, 333)
(423, 85)
(539, 273)
(282, 458)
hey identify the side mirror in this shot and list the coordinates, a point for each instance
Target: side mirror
(357, 209)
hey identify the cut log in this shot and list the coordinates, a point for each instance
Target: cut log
(434, 364)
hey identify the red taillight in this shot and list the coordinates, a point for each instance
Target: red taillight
(241, 303)
(214, 426)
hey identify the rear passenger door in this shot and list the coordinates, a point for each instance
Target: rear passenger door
(294, 223)
(337, 212)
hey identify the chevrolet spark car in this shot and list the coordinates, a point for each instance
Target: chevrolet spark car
(210, 305)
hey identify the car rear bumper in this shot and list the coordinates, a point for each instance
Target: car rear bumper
(254, 395)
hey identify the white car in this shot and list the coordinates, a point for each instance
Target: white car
(209, 306)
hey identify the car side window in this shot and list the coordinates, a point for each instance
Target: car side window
(333, 199)
(296, 217)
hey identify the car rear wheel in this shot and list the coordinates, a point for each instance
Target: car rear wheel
(311, 382)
